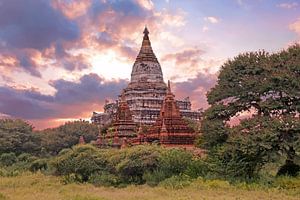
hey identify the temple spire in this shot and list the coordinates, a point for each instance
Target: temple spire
(146, 32)
(169, 86)
(146, 67)
(146, 41)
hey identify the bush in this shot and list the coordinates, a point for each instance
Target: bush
(176, 182)
(24, 157)
(154, 178)
(7, 159)
(197, 168)
(71, 178)
(136, 162)
(174, 161)
(40, 164)
(139, 164)
(81, 161)
(104, 179)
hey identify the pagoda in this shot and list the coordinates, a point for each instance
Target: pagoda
(146, 91)
(123, 126)
(170, 129)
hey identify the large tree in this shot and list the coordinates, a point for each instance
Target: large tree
(17, 136)
(268, 87)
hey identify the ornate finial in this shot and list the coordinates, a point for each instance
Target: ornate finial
(169, 86)
(146, 32)
(123, 96)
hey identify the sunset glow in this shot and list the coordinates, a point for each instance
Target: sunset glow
(60, 59)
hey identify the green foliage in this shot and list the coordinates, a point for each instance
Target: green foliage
(155, 177)
(67, 135)
(112, 167)
(81, 160)
(7, 159)
(267, 85)
(17, 136)
(71, 178)
(136, 162)
(215, 133)
(176, 182)
(197, 168)
(104, 179)
(174, 161)
(39, 164)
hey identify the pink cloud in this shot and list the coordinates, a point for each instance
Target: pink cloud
(295, 26)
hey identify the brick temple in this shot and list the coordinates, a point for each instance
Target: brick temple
(145, 93)
(123, 127)
(170, 129)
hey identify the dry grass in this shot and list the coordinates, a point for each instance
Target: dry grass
(41, 187)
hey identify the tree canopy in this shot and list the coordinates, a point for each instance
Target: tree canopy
(17, 136)
(268, 87)
(67, 135)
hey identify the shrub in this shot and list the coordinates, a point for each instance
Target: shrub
(81, 160)
(174, 161)
(24, 157)
(8, 159)
(40, 164)
(197, 168)
(71, 178)
(176, 182)
(136, 162)
(104, 179)
(155, 177)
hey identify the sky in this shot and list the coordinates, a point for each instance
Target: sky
(61, 59)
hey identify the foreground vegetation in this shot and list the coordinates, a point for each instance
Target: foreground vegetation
(38, 186)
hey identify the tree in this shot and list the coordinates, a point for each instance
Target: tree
(67, 135)
(17, 136)
(268, 87)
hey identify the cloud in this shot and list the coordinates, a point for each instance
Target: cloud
(196, 88)
(148, 4)
(90, 88)
(173, 19)
(288, 5)
(186, 56)
(205, 29)
(295, 26)
(189, 63)
(33, 24)
(212, 20)
(71, 99)
(72, 8)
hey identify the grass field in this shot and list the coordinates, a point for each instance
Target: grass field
(40, 187)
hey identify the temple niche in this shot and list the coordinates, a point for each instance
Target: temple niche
(145, 93)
